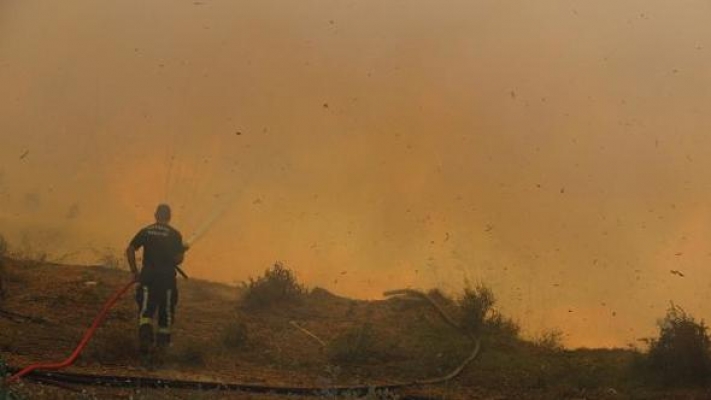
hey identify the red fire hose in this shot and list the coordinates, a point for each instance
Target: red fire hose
(63, 379)
(82, 344)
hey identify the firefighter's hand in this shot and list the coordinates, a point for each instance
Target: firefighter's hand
(186, 247)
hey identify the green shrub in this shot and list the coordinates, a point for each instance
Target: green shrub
(277, 286)
(680, 356)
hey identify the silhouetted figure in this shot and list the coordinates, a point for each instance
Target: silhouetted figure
(163, 252)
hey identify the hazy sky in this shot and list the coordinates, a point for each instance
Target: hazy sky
(555, 150)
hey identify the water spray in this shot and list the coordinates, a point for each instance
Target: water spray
(205, 226)
(212, 218)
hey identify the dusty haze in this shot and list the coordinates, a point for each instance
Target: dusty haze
(556, 150)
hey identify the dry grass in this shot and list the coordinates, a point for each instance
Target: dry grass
(235, 335)
(114, 344)
(190, 352)
(370, 341)
(3, 246)
(358, 345)
(3, 251)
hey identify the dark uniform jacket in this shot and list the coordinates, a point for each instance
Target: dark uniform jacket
(162, 245)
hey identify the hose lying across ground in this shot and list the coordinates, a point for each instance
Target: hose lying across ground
(84, 340)
(39, 372)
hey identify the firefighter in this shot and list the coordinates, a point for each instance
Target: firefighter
(163, 252)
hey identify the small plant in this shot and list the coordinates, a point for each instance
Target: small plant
(680, 356)
(277, 286)
(235, 335)
(550, 340)
(502, 327)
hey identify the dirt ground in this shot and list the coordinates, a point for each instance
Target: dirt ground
(366, 343)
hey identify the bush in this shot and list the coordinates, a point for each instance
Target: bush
(475, 306)
(680, 356)
(502, 327)
(475, 313)
(277, 286)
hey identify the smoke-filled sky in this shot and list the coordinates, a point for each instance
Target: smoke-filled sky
(556, 150)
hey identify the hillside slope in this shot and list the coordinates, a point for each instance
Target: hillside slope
(366, 342)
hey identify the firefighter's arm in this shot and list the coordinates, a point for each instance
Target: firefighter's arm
(131, 257)
(180, 256)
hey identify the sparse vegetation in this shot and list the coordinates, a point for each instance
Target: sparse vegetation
(113, 344)
(680, 356)
(551, 340)
(3, 246)
(6, 393)
(190, 352)
(3, 250)
(367, 342)
(356, 346)
(235, 335)
(27, 254)
(111, 259)
(277, 286)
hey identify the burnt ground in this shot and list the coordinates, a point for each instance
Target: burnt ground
(367, 342)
